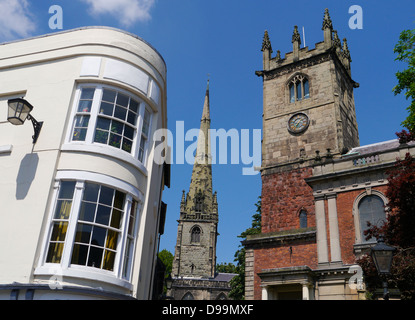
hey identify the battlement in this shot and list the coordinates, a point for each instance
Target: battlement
(331, 43)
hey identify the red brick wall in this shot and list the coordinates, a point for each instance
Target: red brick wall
(303, 254)
(283, 196)
(345, 201)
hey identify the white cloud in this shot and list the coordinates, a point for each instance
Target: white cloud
(15, 19)
(127, 12)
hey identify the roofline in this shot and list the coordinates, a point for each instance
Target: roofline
(86, 28)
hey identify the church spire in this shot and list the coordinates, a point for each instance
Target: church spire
(200, 190)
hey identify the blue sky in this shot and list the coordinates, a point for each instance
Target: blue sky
(223, 38)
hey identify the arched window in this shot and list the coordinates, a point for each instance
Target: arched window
(188, 296)
(371, 209)
(303, 219)
(221, 296)
(195, 235)
(299, 88)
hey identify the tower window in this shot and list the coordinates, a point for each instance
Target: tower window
(299, 89)
(303, 219)
(195, 235)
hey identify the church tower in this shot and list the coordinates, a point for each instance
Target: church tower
(309, 120)
(195, 254)
(194, 263)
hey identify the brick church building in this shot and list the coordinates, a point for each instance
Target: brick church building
(319, 186)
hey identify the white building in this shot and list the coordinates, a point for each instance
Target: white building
(81, 208)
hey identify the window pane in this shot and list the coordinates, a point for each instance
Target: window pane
(127, 145)
(55, 252)
(87, 93)
(146, 122)
(115, 141)
(98, 236)
(109, 95)
(134, 105)
(141, 149)
(106, 195)
(116, 218)
(103, 215)
(83, 233)
(103, 123)
(81, 121)
(95, 257)
(292, 95)
(63, 209)
(106, 108)
(109, 259)
(303, 219)
(112, 240)
(101, 136)
(298, 89)
(87, 212)
(129, 132)
(59, 231)
(306, 89)
(84, 105)
(79, 254)
(79, 134)
(119, 200)
(120, 113)
(122, 100)
(117, 127)
(132, 118)
(91, 192)
(66, 189)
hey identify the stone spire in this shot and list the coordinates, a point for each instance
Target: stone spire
(200, 199)
(296, 40)
(328, 29)
(327, 24)
(266, 43)
(266, 51)
(346, 56)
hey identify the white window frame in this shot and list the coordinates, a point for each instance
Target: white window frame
(90, 146)
(65, 268)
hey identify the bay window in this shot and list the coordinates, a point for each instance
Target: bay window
(113, 117)
(93, 225)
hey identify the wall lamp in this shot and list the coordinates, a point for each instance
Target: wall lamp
(19, 111)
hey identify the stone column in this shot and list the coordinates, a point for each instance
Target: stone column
(306, 292)
(264, 293)
(322, 249)
(334, 229)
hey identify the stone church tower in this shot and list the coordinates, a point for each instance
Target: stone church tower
(309, 118)
(194, 263)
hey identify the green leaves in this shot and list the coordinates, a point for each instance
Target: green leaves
(405, 49)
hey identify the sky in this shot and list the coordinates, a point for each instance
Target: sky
(221, 39)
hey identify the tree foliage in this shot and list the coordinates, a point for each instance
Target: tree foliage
(405, 49)
(398, 231)
(238, 282)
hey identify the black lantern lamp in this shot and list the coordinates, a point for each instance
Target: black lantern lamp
(19, 111)
(382, 256)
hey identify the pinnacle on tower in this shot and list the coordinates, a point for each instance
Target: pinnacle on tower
(266, 51)
(346, 52)
(296, 40)
(328, 29)
(266, 43)
(296, 36)
(336, 42)
(327, 24)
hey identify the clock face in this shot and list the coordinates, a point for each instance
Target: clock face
(298, 123)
